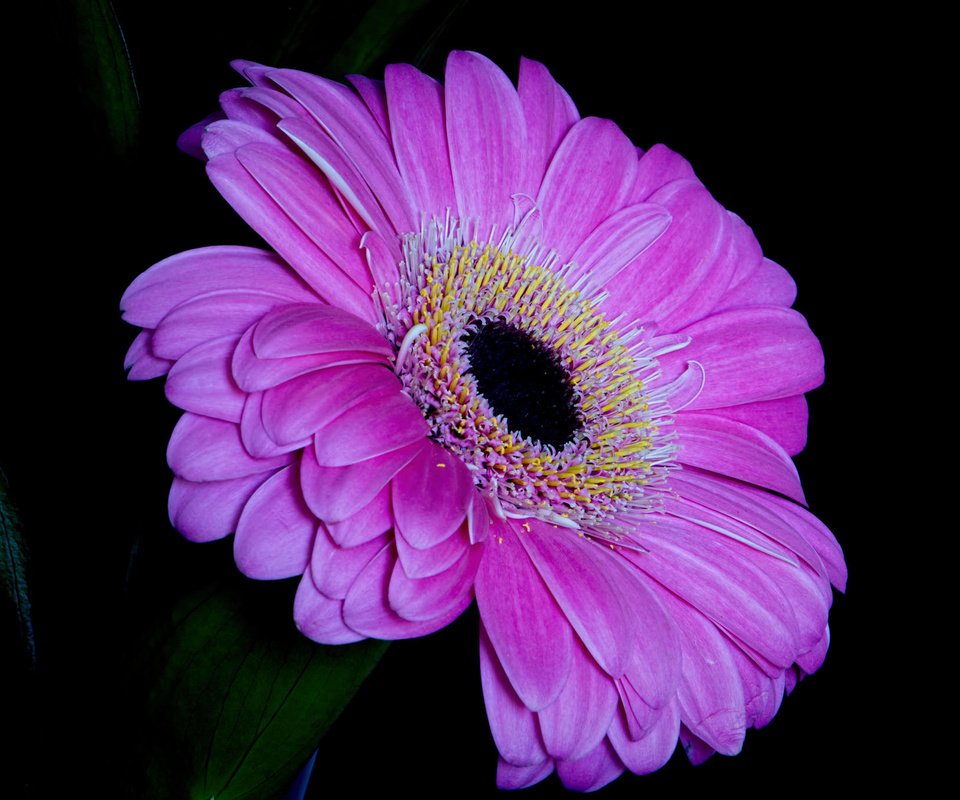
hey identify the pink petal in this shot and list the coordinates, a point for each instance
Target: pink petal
(336, 493)
(527, 629)
(254, 374)
(209, 317)
(254, 436)
(617, 241)
(275, 103)
(680, 277)
(486, 134)
(239, 106)
(751, 354)
(367, 611)
(204, 449)
(513, 725)
(783, 420)
(653, 672)
(210, 510)
(791, 678)
(599, 597)
(417, 125)
(593, 771)
(658, 167)
(305, 196)
(769, 285)
(251, 70)
(141, 361)
(740, 504)
(276, 530)
(548, 112)
(190, 140)
(710, 693)
(207, 270)
(587, 180)
(424, 563)
(261, 212)
(762, 695)
(431, 496)
(374, 97)
(478, 519)
(638, 715)
(348, 122)
(723, 583)
(512, 777)
(300, 330)
(697, 750)
(382, 260)
(297, 408)
(369, 522)
(377, 425)
(340, 171)
(731, 448)
(813, 531)
(813, 659)
(222, 138)
(202, 382)
(335, 568)
(319, 617)
(578, 719)
(421, 599)
(748, 255)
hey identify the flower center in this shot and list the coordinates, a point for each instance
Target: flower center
(524, 382)
(519, 374)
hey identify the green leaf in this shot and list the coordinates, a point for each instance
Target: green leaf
(108, 81)
(237, 699)
(358, 39)
(383, 23)
(13, 575)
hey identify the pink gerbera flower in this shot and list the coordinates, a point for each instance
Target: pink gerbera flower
(500, 352)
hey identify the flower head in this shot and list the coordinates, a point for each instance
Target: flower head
(499, 352)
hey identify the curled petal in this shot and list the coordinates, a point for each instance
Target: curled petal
(750, 354)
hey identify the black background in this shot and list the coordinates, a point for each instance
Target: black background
(794, 121)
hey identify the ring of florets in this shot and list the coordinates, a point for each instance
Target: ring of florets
(613, 464)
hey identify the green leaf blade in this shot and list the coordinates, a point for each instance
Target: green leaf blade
(13, 576)
(237, 699)
(109, 84)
